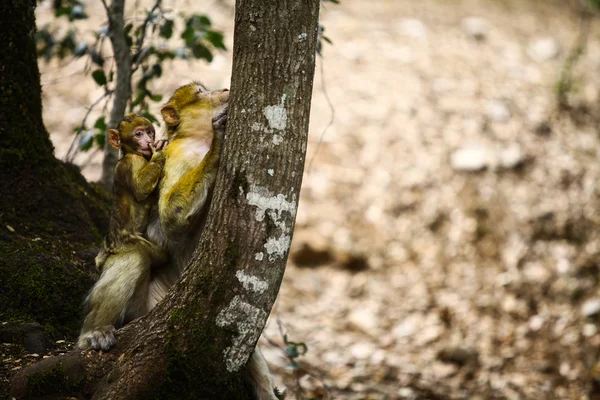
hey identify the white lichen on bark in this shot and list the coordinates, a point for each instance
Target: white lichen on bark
(251, 282)
(278, 247)
(277, 115)
(274, 207)
(243, 316)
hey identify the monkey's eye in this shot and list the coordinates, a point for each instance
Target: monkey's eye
(138, 134)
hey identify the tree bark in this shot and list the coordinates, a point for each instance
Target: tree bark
(23, 137)
(122, 91)
(48, 212)
(196, 342)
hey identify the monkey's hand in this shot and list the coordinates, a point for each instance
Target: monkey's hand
(219, 122)
(157, 156)
(160, 144)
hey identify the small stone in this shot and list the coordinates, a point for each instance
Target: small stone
(589, 330)
(362, 351)
(406, 393)
(497, 111)
(407, 327)
(470, 159)
(414, 28)
(543, 49)
(428, 335)
(590, 307)
(475, 27)
(511, 157)
(365, 320)
(535, 323)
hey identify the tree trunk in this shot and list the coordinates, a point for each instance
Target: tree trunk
(23, 138)
(122, 91)
(48, 212)
(195, 343)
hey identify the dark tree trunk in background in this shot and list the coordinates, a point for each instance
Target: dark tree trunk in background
(48, 212)
(24, 142)
(196, 342)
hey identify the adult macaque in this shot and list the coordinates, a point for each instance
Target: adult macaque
(195, 119)
(121, 293)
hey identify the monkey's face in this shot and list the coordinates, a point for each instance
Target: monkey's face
(142, 140)
(194, 101)
(135, 134)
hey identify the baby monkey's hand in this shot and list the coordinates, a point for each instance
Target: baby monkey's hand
(160, 144)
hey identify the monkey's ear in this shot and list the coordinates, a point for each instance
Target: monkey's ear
(113, 138)
(170, 115)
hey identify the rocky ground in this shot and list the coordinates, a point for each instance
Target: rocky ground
(447, 239)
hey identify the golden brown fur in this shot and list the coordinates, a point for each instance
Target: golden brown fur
(126, 256)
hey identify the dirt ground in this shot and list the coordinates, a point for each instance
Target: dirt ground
(447, 239)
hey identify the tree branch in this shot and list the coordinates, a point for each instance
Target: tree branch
(122, 91)
(143, 37)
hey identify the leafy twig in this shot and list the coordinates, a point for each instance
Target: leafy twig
(72, 148)
(136, 56)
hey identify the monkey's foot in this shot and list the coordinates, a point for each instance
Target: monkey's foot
(99, 339)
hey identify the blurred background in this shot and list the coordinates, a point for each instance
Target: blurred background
(447, 241)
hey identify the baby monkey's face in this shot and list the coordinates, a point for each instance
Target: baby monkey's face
(143, 140)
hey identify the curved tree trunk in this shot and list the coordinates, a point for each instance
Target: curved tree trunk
(195, 343)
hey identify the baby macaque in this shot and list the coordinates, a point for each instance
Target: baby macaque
(127, 256)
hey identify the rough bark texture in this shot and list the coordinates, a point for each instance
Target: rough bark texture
(48, 212)
(122, 91)
(196, 342)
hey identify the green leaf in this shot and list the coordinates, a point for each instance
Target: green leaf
(291, 351)
(200, 51)
(203, 20)
(165, 55)
(166, 30)
(86, 140)
(155, 97)
(188, 35)
(216, 39)
(99, 77)
(157, 70)
(63, 11)
(100, 139)
(100, 123)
